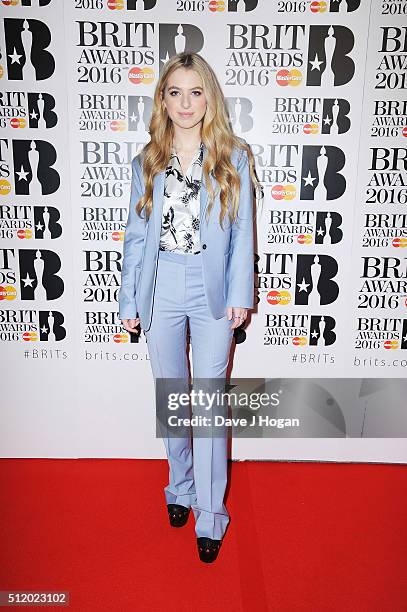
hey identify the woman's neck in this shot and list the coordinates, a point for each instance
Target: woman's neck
(186, 142)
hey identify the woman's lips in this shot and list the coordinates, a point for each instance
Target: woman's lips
(186, 114)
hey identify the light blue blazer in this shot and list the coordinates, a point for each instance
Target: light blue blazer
(227, 255)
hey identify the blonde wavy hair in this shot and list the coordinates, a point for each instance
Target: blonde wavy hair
(216, 135)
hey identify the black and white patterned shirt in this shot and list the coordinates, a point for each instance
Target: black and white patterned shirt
(180, 220)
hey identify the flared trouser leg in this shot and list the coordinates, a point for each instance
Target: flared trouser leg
(198, 473)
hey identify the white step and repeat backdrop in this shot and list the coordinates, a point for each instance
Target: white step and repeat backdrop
(318, 89)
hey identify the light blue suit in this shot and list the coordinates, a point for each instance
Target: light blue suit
(170, 290)
(227, 255)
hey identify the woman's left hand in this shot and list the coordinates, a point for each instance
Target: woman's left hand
(238, 314)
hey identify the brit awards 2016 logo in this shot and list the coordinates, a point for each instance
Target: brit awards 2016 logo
(24, 221)
(114, 53)
(115, 113)
(299, 330)
(389, 119)
(384, 283)
(309, 116)
(105, 327)
(373, 333)
(388, 182)
(106, 168)
(304, 227)
(31, 325)
(30, 274)
(20, 110)
(320, 172)
(102, 270)
(104, 223)
(276, 55)
(320, 177)
(286, 278)
(31, 163)
(391, 70)
(384, 230)
(176, 38)
(27, 53)
(329, 61)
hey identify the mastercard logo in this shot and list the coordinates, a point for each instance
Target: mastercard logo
(304, 239)
(399, 242)
(311, 128)
(30, 336)
(115, 5)
(118, 126)
(5, 187)
(216, 7)
(404, 132)
(283, 192)
(18, 122)
(8, 293)
(299, 341)
(24, 233)
(318, 7)
(117, 236)
(120, 338)
(391, 344)
(291, 77)
(278, 298)
(141, 75)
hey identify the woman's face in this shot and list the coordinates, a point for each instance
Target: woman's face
(184, 98)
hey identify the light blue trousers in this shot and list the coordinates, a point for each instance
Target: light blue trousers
(197, 466)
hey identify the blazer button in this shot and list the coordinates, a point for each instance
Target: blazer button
(204, 246)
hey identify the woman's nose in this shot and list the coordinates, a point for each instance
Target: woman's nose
(185, 102)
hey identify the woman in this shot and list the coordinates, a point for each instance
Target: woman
(188, 259)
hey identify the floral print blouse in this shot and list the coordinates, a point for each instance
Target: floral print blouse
(180, 220)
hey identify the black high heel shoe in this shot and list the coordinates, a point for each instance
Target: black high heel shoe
(178, 514)
(208, 549)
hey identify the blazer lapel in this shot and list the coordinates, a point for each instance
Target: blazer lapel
(158, 199)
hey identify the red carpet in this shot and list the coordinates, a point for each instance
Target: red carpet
(302, 536)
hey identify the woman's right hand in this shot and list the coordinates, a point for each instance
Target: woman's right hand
(130, 324)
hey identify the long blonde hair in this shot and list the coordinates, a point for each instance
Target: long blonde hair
(216, 135)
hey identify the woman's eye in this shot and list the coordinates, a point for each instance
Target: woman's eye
(195, 92)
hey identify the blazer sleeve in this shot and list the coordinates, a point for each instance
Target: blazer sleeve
(132, 249)
(241, 259)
